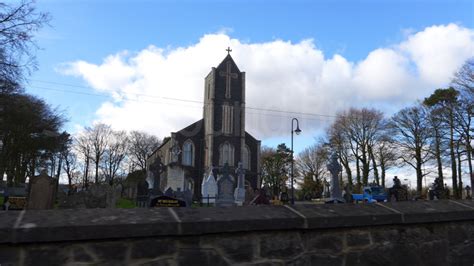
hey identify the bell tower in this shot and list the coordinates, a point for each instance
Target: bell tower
(224, 114)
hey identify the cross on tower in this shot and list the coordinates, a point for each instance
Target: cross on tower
(228, 78)
(228, 50)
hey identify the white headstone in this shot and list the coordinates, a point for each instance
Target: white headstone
(239, 192)
(225, 188)
(209, 189)
(175, 178)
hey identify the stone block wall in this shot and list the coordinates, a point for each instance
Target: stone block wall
(405, 233)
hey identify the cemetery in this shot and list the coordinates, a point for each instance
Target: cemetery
(173, 154)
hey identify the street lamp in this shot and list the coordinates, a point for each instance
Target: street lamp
(297, 131)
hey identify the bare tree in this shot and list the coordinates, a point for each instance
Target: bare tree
(412, 136)
(464, 80)
(69, 159)
(83, 147)
(98, 137)
(114, 154)
(361, 128)
(385, 154)
(338, 142)
(464, 77)
(312, 161)
(141, 145)
(18, 25)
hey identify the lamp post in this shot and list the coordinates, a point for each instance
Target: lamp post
(297, 131)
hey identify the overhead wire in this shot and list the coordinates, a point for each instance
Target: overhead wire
(259, 111)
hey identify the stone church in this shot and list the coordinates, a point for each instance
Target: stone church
(206, 145)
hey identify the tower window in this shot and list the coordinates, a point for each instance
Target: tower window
(226, 154)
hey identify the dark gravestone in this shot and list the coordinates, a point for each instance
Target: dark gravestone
(15, 198)
(165, 201)
(142, 193)
(188, 197)
(96, 196)
(225, 189)
(169, 192)
(261, 198)
(284, 197)
(42, 192)
(156, 168)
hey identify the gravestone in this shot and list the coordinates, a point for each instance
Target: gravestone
(15, 198)
(112, 195)
(335, 168)
(165, 201)
(42, 192)
(185, 196)
(250, 194)
(225, 188)
(142, 193)
(96, 196)
(261, 198)
(209, 189)
(284, 197)
(156, 169)
(239, 193)
(169, 192)
(75, 200)
(188, 197)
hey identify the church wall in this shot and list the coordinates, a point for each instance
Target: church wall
(195, 133)
(254, 146)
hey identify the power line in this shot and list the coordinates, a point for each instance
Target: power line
(170, 98)
(155, 102)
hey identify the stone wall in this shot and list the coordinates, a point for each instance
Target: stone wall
(405, 233)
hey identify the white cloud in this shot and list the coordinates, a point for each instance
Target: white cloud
(280, 75)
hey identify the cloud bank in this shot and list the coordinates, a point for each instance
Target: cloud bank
(158, 90)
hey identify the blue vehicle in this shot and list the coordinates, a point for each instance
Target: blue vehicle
(371, 194)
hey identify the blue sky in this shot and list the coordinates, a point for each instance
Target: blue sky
(90, 31)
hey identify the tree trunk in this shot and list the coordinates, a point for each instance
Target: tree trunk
(97, 171)
(86, 173)
(453, 156)
(460, 184)
(438, 156)
(469, 159)
(347, 168)
(58, 172)
(419, 171)
(382, 174)
(357, 168)
(365, 167)
(374, 165)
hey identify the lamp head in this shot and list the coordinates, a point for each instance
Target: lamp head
(297, 130)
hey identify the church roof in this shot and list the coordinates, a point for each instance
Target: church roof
(228, 58)
(198, 124)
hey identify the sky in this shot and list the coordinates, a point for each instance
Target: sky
(140, 65)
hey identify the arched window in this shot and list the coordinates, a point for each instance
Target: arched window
(246, 157)
(188, 153)
(226, 154)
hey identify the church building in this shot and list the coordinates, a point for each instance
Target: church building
(206, 145)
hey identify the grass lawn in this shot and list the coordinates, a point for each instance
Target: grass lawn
(125, 204)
